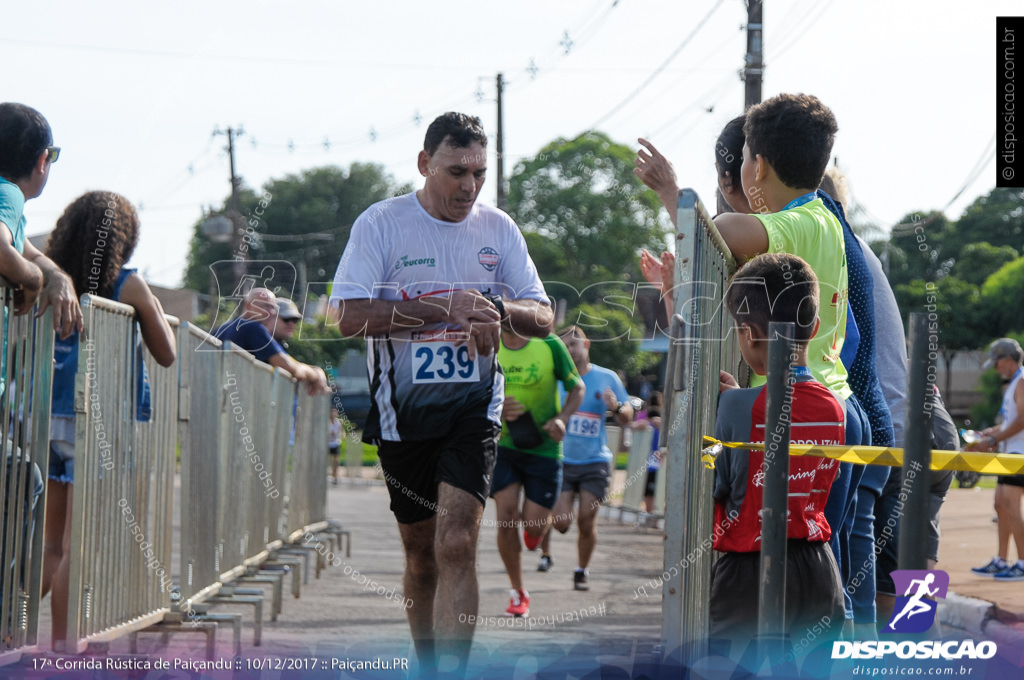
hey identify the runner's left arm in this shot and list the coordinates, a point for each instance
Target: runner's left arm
(1014, 427)
(531, 318)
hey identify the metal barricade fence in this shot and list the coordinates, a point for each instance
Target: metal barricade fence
(283, 410)
(120, 571)
(235, 454)
(233, 418)
(203, 409)
(242, 519)
(636, 470)
(701, 344)
(27, 376)
(307, 490)
(157, 440)
(261, 457)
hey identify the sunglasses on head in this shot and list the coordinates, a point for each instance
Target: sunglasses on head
(52, 153)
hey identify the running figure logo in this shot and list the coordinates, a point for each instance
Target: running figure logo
(914, 613)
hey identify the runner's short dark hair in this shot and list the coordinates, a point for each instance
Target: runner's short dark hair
(459, 129)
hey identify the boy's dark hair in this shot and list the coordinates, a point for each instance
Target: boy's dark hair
(794, 133)
(462, 131)
(24, 135)
(729, 148)
(775, 287)
(93, 239)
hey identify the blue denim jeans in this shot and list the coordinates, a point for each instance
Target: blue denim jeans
(841, 506)
(861, 585)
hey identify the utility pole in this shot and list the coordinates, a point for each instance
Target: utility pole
(753, 62)
(234, 211)
(500, 151)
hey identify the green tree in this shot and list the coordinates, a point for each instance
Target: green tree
(321, 344)
(304, 218)
(585, 215)
(996, 218)
(1001, 295)
(956, 305)
(914, 249)
(976, 261)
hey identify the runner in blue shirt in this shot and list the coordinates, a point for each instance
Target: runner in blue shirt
(587, 460)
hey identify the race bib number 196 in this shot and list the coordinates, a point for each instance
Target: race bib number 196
(584, 425)
(437, 362)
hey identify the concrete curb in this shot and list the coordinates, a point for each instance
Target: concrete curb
(968, 614)
(979, 618)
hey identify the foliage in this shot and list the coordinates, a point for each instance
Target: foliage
(913, 251)
(969, 271)
(956, 305)
(996, 218)
(585, 214)
(321, 344)
(959, 259)
(977, 261)
(304, 218)
(1001, 295)
(614, 338)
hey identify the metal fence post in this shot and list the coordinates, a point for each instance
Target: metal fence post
(700, 346)
(917, 449)
(771, 615)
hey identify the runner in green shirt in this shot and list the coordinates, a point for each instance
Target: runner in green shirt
(530, 448)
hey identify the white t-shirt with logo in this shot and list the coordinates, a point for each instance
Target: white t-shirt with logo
(420, 379)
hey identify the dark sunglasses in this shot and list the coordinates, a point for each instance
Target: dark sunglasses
(290, 320)
(52, 153)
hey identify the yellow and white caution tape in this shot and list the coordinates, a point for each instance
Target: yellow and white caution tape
(984, 463)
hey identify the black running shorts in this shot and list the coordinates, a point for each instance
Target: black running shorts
(463, 458)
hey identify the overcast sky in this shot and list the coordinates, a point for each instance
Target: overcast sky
(134, 91)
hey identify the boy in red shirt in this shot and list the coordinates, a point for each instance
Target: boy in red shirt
(775, 287)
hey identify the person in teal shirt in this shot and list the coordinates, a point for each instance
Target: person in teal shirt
(26, 154)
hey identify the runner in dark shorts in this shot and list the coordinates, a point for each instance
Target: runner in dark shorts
(530, 449)
(426, 278)
(587, 460)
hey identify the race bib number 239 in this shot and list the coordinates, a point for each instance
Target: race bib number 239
(439, 362)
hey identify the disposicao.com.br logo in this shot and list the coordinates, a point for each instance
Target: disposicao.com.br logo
(915, 613)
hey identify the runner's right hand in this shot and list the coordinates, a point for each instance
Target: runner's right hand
(512, 409)
(478, 319)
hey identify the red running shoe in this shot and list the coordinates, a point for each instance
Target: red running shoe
(532, 542)
(520, 604)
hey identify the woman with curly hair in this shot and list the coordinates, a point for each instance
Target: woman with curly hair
(93, 240)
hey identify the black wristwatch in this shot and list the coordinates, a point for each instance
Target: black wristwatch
(622, 405)
(498, 304)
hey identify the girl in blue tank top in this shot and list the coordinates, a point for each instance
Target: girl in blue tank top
(92, 241)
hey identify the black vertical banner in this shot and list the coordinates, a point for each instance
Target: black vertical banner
(1009, 76)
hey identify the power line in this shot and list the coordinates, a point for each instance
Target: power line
(798, 31)
(699, 102)
(982, 163)
(659, 69)
(127, 51)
